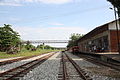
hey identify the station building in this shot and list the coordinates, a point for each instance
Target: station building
(101, 39)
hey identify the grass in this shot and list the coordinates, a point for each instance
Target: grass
(24, 53)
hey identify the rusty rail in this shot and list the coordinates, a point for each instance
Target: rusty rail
(81, 72)
(23, 69)
(108, 64)
(18, 59)
(65, 75)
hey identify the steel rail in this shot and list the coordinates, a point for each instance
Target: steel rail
(108, 64)
(23, 69)
(18, 59)
(14, 60)
(65, 75)
(79, 70)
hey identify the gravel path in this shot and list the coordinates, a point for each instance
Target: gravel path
(94, 71)
(46, 71)
(16, 64)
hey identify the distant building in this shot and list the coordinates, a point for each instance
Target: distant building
(101, 39)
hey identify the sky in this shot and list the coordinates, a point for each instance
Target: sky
(54, 19)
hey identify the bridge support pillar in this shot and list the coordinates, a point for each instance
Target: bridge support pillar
(43, 46)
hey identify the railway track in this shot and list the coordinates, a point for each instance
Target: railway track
(69, 70)
(20, 71)
(100, 62)
(15, 60)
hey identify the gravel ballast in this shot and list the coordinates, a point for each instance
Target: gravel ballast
(94, 71)
(46, 71)
(49, 69)
(6, 67)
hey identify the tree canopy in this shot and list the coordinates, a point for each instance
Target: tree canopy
(42, 46)
(73, 39)
(9, 39)
(116, 4)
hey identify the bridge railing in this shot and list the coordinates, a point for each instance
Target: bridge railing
(46, 41)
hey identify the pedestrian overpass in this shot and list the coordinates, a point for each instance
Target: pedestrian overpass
(45, 41)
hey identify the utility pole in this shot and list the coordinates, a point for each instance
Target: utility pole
(117, 28)
(116, 4)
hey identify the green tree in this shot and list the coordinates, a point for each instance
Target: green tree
(44, 46)
(73, 39)
(29, 46)
(9, 39)
(47, 47)
(75, 36)
(40, 46)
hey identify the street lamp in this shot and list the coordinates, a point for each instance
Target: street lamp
(116, 5)
(117, 28)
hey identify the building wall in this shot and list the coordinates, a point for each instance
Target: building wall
(113, 36)
(105, 35)
(98, 40)
(114, 40)
(112, 25)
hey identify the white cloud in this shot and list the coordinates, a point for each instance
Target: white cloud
(48, 33)
(19, 2)
(55, 1)
(9, 4)
(49, 1)
(31, 33)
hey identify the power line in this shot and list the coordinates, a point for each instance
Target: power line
(41, 20)
(78, 12)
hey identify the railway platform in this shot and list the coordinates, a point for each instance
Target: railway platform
(113, 55)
